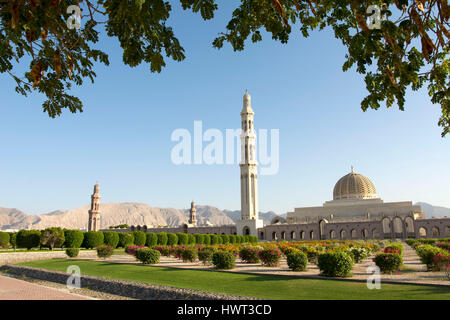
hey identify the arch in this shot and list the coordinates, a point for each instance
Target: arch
(435, 231)
(397, 226)
(375, 233)
(447, 230)
(283, 235)
(274, 236)
(246, 231)
(138, 228)
(409, 225)
(132, 228)
(423, 232)
(145, 228)
(302, 235)
(292, 235)
(261, 235)
(386, 222)
(364, 233)
(343, 234)
(353, 234)
(311, 235)
(332, 234)
(322, 223)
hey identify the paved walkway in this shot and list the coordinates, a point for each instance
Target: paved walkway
(15, 289)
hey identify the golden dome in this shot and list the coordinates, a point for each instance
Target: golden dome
(354, 186)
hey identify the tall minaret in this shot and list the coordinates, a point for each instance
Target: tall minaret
(249, 222)
(94, 212)
(193, 215)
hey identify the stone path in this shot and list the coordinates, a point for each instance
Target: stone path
(15, 289)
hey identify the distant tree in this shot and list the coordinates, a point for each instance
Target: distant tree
(111, 238)
(28, 239)
(52, 237)
(4, 239)
(139, 238)
(73, 238)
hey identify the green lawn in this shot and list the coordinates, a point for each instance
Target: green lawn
(262, 286)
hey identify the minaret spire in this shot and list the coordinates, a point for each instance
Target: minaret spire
(94, 212)
(249, 173)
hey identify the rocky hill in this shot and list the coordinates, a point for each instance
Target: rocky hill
(120, 213)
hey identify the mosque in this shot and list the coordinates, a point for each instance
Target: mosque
(356, 211)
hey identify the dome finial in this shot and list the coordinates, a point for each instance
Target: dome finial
(352, 169)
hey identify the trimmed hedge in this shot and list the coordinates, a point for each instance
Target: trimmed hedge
(139, 238)
(73, 238)
(191, 239)
(206, 239)
(162, 238)
(92, 239)
(232, 238)
(148, 256)
(182, 238)
(172, 239)
(335, 264)
(152, 239)
(125, 239)
(189, 254)
(223, 260)
(426, 254)
(214, 238)
(4, 239)
(111, 238)
(52, 237)
(28, 239)
(225, 238)
(297, 261)
(199, 238)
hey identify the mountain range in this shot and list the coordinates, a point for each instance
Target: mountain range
(132, 213)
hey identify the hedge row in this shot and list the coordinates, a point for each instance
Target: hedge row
(64, 238)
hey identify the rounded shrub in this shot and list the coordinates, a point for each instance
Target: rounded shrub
(152, 239)
(189, 254)
(191, 239)
(162, 238)
(388, 262)
(125, 239)
(206, 239)
(225, 238)
(219, 239)
(214, 238)
(148, 256)
(72, 252)
(104, 251)
(246, 239)
(335, 264)
(359, 253)
(426, 254)
(249, 254)
(396, 246)
(223, 260)
(269, 257)
(182, 238)
(12, 239)
(4, 239)
(297, 261)
(205, 254)
(240, 239)
(139, 238)
(199, 238)
(253, 239)
(172, 239)
(28, 239)
(111, 238)
(232, 238)
(92, 239)
(52, 237)
(73, 238)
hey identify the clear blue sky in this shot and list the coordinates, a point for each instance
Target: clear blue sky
(122, 139)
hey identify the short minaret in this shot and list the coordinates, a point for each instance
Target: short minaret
(94, 212)
(250, 221)
(193, 215)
